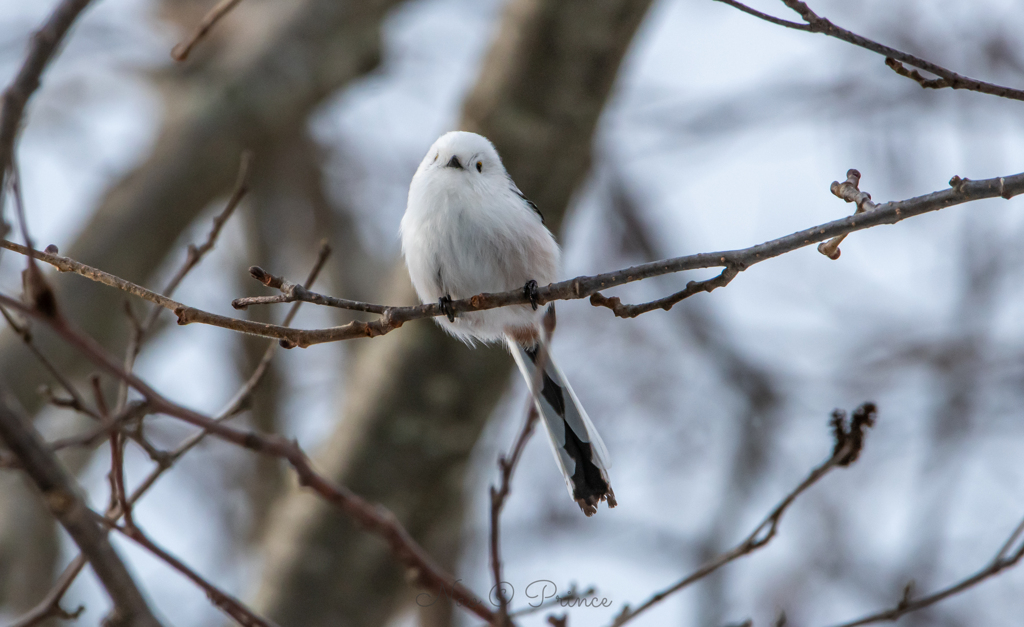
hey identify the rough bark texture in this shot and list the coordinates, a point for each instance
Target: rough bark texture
(417, 399)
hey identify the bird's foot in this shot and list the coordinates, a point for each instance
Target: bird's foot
(530, 290)
(445, 303)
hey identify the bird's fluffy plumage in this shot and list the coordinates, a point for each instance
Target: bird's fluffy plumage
(467, 230)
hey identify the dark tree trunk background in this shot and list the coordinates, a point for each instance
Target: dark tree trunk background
(418, 400)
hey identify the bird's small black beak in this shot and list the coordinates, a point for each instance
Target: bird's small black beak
(454, 163)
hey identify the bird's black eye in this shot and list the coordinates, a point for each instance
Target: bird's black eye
(479, 166)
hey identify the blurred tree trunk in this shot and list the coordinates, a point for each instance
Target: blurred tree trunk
(214, 111)
(418, 399)
(28, 547)
(252, 85)
(289, 216)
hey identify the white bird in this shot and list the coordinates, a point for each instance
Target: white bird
(467, 230)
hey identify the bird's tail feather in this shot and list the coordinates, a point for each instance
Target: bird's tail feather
(579, 450)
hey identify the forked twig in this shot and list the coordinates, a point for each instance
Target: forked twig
(848, 442)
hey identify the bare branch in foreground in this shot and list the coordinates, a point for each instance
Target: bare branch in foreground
(41, 51)
(422, 569)
(766, 17)
(193, 256)
(166, 461)
(63, 500)
(1008, 556)
(893, 58)
(65, 264)
(506, 466)
(181, 51)
(75, 400)
(733, 261)
(848, 442)
(961, 191)
(227, 603)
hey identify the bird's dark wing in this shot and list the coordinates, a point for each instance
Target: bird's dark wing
(532, 204)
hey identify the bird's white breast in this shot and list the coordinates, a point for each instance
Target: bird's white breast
(464, 234)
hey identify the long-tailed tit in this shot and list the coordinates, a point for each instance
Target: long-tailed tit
(467, 230)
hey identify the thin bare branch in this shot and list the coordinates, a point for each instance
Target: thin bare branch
(50, 606)
(1007, 557)
(195, 253)
(42, 49)
(62, 497)
(166, 461)
(893, 57)
(231, 606)
(193, 256)
(293, 292)
(181, 51)
(848, 442)
(764, 16)
(666, 303)
(961, 191)
(507, 465)
(65, 264)
(422, 569)
(25, 333)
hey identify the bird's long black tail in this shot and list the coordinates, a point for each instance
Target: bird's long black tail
(578, 448)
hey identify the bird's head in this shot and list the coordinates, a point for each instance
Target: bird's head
(461, 153)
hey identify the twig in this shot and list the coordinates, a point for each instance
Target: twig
(227, 603)
(848, 442)
(24, 332)
(507, 465)
(61, 497)
(765, 16)
(961, 191)
(119, 493)
(927, 83)
(15, 97)
(422, 569)
(849, 191)
(893, 58)
(165, 462)
(195, 253)
(581, 287)
(102, 431)
(293, 292)
(1007, 557)
(181, 51)
(193, 256)
(666, 303)
(35, 290)
(50, 605)
(65, 264)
